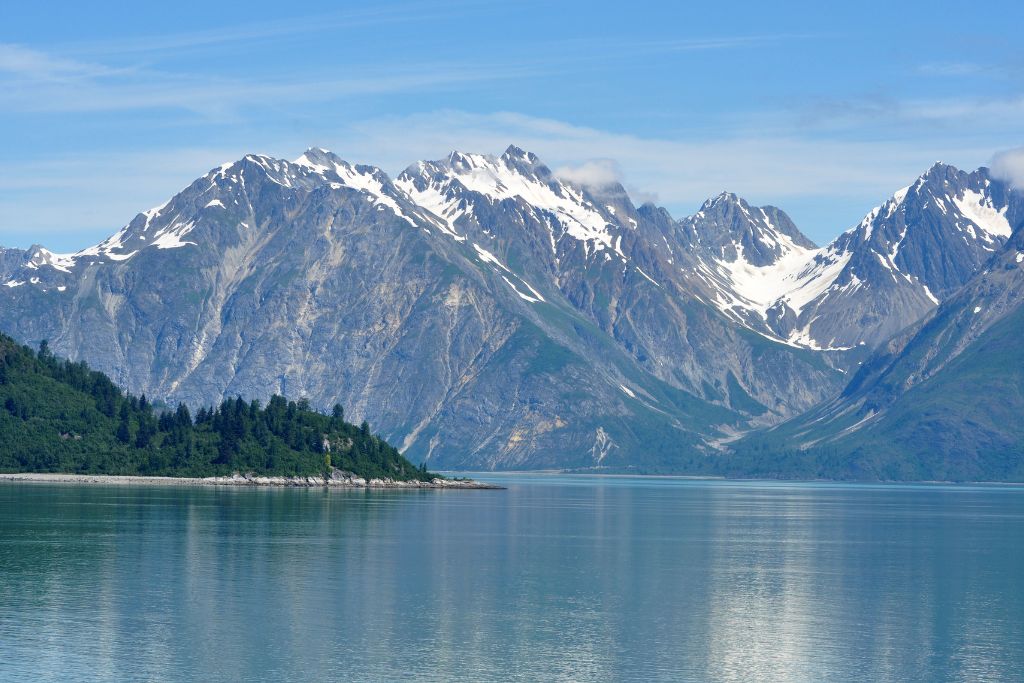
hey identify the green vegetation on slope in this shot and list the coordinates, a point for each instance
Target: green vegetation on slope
(59, 416)
(961, 424)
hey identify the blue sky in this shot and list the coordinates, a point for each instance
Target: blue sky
(109, 109)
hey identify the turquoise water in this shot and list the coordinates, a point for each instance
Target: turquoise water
(557, 578)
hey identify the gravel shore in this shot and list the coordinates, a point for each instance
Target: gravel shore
(338, 480)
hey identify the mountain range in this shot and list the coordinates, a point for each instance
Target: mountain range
(482, 312)
(940, 401)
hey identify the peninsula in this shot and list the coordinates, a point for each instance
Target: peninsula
(62, 421)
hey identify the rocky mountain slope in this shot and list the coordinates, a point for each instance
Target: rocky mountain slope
(530, 321)
(941, 401)
(321, 279)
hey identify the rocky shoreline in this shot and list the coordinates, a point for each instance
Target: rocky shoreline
(341, 480)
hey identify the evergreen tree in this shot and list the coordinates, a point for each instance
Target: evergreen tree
(62, 416)
(124, 430)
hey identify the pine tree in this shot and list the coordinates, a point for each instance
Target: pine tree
(124, 431)
(182, 417)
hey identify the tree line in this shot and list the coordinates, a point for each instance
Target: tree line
(63, 416)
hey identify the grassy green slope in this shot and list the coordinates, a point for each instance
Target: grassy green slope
(961, 424)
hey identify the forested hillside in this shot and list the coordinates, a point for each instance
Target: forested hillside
(59, 416)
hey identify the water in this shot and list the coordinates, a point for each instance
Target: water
(557, 578)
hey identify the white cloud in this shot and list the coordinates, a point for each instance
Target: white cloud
(1009, 165)
(961, 113)
(591, 173)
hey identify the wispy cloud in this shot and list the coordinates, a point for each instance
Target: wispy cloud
(888, 109)
(952, 69)
(592, 172)
(354, 16)
(1009, 165)
(32, 81)
(71, 79)
(22, 64)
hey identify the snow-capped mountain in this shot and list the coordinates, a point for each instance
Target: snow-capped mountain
(515, 199)
(745, 260)
(940, 401)
(482, 312)
(875, 279)
(593, 248)
(512, 320)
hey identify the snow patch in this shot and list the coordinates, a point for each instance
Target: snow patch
(435, 199)
(978, 208)
(170, 238)
(364, 179)
(641, 271)
(488, 257)
(500, 179)
(525, 297)
(928, 293)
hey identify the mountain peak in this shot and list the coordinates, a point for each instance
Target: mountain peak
(724, 197)
(525, 163)
(318, 157)
(940, 171)
(513, 153)
(740, 237)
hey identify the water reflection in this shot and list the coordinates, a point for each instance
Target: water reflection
(554, 579)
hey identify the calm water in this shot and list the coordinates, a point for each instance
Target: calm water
(557, 578)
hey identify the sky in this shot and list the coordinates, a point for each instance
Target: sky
(108, 109)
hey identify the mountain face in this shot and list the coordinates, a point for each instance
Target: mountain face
(10, 261)
(322, 279)
(609, 261)
(887, 272)
(481, 312)
(941, 401)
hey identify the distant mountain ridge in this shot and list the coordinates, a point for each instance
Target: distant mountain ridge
(941, 401)
(873, 280)
(531, 321)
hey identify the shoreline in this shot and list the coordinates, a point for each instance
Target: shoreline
(764, 480)
(336, 482)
